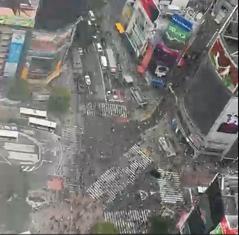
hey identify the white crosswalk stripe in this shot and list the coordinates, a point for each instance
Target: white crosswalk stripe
(106, 110)
(170, 190)
(129, 222)
(116, 179)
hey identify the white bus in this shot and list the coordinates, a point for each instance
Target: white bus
(26, 112)
(8, 134)
(112, 60)
(42, 124)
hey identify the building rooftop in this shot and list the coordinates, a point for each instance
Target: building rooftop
(217, 203)
(204, 91)
(25, 17)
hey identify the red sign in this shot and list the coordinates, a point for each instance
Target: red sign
(224, 65)
(151, 9)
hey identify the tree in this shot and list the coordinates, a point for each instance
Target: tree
(59, 100)
(18, 90)
(159, 225)
(104, 228)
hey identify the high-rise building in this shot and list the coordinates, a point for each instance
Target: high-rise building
(216, 211)
(208, 113)
(35, 38)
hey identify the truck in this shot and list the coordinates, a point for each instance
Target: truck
(111, 60)
(77, 63)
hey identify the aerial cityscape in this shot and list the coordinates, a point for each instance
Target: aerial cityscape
(119, 117)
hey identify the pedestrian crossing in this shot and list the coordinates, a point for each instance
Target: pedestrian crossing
(170, 191)
(129, 222)
(106, 110)
(116, 179)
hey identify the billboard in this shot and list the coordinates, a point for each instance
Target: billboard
(224, 65)
(178, 31)
(150, 8)
(15, 51)
(165, 56)
(225, 129)
(18, 13)
(182, 22)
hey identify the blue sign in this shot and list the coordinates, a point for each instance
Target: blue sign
(15, 51)
(182, 22)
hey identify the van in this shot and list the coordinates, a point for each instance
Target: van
(99, 47)
(91, 15)
(103, 62)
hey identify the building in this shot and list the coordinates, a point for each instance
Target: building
(208, 113)
(33, 45)
(216, 211)
(16, 20)
(160, 31)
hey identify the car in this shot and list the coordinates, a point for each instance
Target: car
(87, 80)
(103, 42)
(80, 50)
(91, 15)
(89, 23)
(99, 47)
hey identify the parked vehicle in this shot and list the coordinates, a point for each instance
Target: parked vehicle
(99, 47)
(158, 83)
(136, 93)
(80, 50)
(87, 80)
(91, 15)
(77, 63)
(103, 62)
(112, 61)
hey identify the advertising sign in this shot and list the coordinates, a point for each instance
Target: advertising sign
(150, 8)
(165, 55)
(18, 36)
(14, 55)
(182, 22)
(15, 50)
(17, 21)
(176, 33)
(224, 66)
(225, 129)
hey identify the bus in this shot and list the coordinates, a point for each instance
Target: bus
(112, 61)
(9, 134)
(26, 112)
(42, 124)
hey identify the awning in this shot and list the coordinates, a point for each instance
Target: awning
(119, 27)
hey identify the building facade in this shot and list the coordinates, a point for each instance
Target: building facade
(216, 211)
(208, 113)
(159, 31)
(36, 55)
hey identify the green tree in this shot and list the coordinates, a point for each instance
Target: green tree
(59, 101)
(159, 225)
(18, 90)
(104, 228)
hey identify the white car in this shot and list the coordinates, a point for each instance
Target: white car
(99, 47)
(87, 80)
(80, 50)
(91, 15)
(89, 23)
